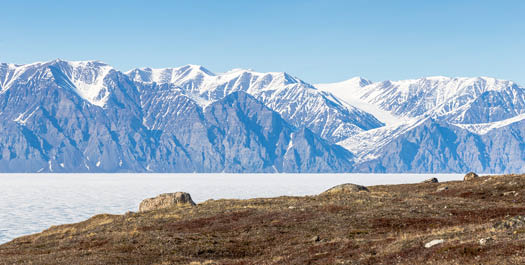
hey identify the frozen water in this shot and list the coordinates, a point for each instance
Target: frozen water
(30, 203)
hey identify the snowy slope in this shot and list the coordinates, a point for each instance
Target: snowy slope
(299, 103)
(459, 100)
(86, 78)
(478, 105)
(350, 92)
(484, 128)
(62, 116)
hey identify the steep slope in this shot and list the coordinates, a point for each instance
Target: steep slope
(349, 92)
(63, 116)
(234, 134)
(50, 116)
(239, 134)
(296, 101)
(436, 124)
(250, 135)
(457, 100)
(434, 146)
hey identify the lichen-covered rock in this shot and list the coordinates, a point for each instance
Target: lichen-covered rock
(511, 222)
(470, 176)
(347, 187)
(166, 200)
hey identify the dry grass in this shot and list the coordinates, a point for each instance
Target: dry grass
(388, 225)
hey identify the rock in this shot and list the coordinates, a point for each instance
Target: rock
(512, 192)
(511, 222)
(486, 240)
(316, 239)
(470, 176)
(440, 189)
(166, 200)
(129, 213)
(431, 180)
(347, 187)
(434, 242)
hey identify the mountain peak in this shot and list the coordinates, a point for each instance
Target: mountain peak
(87, 78)
(196, 68)
(359, 81)
(354, 82)
(169, 75)
(84, 63)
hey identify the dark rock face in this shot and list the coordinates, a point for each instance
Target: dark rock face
(470, 176)
(166, 200)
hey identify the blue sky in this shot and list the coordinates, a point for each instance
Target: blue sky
(318, 41)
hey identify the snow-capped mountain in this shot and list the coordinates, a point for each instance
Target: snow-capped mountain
(299, 103)
(437, 124)
(62, 116)
(458, 100)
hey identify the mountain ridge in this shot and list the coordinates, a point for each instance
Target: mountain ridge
(86, 116)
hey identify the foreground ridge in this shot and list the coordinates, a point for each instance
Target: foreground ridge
(478, 220)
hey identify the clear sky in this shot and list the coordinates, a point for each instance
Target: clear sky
(318, 41)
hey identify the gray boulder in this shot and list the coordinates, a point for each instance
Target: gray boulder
(346, 188)
(166, 200)
(470, 176)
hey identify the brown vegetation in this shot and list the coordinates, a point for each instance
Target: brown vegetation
(387, 225)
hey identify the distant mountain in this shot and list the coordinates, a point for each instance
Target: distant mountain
(299, 103)
(458, 100)
(437, 124)
(87, 117)
(62, 116)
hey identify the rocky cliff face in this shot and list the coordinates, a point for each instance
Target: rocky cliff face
(299, 103)
(86, 117)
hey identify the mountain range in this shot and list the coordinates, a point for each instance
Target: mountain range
(65, 116)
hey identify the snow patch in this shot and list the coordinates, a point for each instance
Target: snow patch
(484, 128)
(23, 117)
(89, 82)
(366, 145)
(350, 93)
